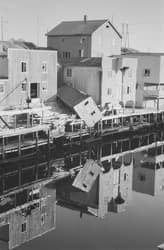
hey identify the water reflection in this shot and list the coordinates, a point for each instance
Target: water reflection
(148, 176)
(140, 171)
(125, 168)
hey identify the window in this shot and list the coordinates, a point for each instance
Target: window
(66, 54)
(44, 67)
(142, 177)
(43, 218)
(109, 91)
(81, 53)
(24, 85)
(86, 103)
(23, 67)
(69, 72)
(2, 88)
(24, 227)
(128, 90)
(147, 72)
(82, 40)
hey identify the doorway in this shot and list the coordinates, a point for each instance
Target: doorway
(34, 90)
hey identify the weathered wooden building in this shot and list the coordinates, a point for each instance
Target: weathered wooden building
(108, 80)
(32, 77)
(85, 38)
(110, 192)
(27, 214)
(150, 79)
(148, 175)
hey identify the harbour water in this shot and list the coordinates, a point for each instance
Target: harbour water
(123, 210)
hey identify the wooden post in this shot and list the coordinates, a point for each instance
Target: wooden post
(32, 119)
(19, 145)
(20, 174)
(48, 161)
(36, 174)
(28, 120)
(3, 148)
(112, 123)
(3, 180)
(15, 122)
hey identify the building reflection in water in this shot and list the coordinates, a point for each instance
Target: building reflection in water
(111, 192)
(142, 172)
(27, 214)
(31, 211)
(148, 174)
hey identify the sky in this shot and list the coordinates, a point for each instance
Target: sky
(31, 19)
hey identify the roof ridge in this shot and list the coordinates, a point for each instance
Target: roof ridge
(76, 27)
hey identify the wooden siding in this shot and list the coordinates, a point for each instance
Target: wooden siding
(47, 82)
(34, 223)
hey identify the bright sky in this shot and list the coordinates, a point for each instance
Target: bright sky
(30, 19)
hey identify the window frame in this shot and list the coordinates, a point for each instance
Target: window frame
(24, 227)
(81, 52)
(69, 72)
(66, 54)
(128, 90)
(45, 63)
(3, 86)
(43, 218)
(147, 72)
(24, 63)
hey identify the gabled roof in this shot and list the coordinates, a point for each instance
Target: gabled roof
(19, 44)
(70, 28)
(70, 96)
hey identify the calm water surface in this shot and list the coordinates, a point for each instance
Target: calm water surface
(139, 226)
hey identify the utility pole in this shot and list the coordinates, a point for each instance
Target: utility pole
(123, 70)
(1, 28)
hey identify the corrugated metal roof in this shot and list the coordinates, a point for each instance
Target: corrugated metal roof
(70, 28)
(85, 62)
(70, 96)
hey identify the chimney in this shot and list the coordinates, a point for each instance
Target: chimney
(85, 18)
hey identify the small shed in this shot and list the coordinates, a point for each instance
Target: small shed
(83, 104)
(87, 176)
